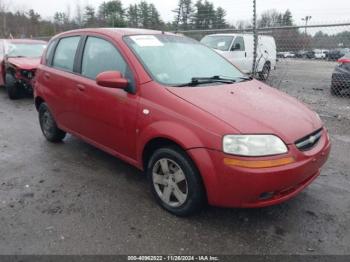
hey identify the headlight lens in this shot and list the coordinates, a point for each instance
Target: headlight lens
(253, 145)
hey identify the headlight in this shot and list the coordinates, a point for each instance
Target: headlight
(253, 145)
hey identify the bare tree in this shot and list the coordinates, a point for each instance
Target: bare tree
(78, 14)
(4, 8)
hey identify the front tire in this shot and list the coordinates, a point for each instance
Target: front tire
(175, 182)
(12, 87)
(48, 125)
(265, 73)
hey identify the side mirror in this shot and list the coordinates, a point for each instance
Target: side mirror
(236, 47)
(112, 79)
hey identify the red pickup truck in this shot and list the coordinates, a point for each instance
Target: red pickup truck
(19, 60)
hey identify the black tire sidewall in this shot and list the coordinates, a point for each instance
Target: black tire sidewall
(196, 198)
(266, 68)
(57, 134)
(12, 88)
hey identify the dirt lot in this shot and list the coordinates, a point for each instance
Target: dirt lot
(71, 198)
(310, 81)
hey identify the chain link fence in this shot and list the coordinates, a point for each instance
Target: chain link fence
(312, 62)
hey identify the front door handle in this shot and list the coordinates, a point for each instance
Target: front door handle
(81, 87)
(47, 76)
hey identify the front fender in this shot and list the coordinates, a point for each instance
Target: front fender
(179, 134)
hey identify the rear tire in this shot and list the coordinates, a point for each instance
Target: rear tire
(265, 73)
(175, 182)
(12, 87)
(48, 125)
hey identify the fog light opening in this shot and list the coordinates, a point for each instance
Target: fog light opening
(266, 195)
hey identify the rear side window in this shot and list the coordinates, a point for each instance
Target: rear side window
(65, 53)
(49, 51)
(100, 56)
(238, 44)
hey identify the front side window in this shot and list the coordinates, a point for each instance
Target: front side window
(238, 44)
(30, 50)
(101, 56)
(65, 53)
(218, 42)
(175, 60)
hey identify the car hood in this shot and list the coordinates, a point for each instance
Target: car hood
(24, 62)
(254, 108)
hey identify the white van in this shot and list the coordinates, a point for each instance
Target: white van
(239, 50)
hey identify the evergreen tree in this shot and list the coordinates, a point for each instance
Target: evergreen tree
(219, 19)
(144, 14)
(89, 17)
(184, 14)
(205, 15)
(133, 16)
(287, 19)
(112, 14)
(155, 21)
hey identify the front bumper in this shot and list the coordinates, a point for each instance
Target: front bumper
(230, 186)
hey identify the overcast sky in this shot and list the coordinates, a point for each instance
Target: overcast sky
(322, 11)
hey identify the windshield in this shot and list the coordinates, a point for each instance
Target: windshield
(25, 50)
(222, 42)
(175, 60)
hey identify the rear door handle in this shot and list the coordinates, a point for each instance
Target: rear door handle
(81, 87)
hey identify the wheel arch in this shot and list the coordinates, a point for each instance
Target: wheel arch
(38, 101)
(162, 133)
(155, 143)
(161, 142)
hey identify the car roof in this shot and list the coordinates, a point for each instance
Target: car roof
(229, 34)
(117, 31)
(25, 41)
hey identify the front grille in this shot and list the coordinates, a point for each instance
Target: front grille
(309, 141)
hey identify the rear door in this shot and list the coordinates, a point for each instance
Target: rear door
(107, 115)
(59, 79)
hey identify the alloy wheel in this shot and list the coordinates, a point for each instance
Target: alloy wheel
(170, 182)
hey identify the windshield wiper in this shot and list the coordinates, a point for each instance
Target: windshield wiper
(195, 81)
(245, 78)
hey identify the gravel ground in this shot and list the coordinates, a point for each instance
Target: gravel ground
(72, 198)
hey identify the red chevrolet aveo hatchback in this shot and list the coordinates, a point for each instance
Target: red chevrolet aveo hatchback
(202, 131)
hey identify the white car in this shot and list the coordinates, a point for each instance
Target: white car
(320, 53)
(286, 54)
(239, 50)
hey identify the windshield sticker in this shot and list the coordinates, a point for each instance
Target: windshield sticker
(146, 40)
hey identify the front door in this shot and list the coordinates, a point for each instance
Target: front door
(107, 115)
(239, 56)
